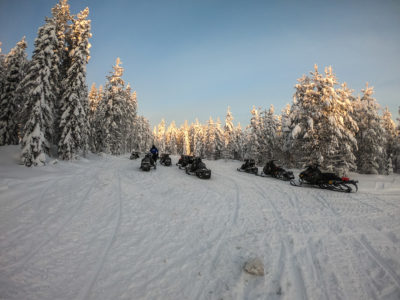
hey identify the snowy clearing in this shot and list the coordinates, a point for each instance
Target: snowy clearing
(102, 229)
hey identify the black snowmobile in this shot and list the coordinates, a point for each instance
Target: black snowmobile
(134, 155)
(165, 159)
(148, 162)
(198, 168)
(313, 176)
(275, 171)
(184, 161)
(249, 166)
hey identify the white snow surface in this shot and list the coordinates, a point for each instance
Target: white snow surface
(99, 228)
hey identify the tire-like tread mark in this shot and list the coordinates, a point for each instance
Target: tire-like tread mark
(85, 293)
(378, 259)
(237, 195)
(298, 277)
(29, 256)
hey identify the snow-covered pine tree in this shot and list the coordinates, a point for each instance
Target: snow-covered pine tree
(111, 112)
(160, 136)
(371, 135)
(93, 100)
(239, 143)
(209, 139)
(284, 140)
(219, 140)
(147, 137)
(198, 145)
(390, 132)
(95, 95)
(184, 139)
(74, 125)
(10, 101)
(131, 118)
(39, 85)
(2, 70)
(229, 136)
(396, 151)
(253, 147)
(269, 125)
(40, 88)
(345, 143)
(322, 128)
(170, 139)
(142, 137)
(62, 20)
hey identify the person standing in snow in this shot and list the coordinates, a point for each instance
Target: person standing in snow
(154, 152)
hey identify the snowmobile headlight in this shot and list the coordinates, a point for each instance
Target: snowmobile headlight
(330, 182)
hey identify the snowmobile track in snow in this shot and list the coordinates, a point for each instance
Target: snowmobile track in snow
(86, 291)
(103, 229)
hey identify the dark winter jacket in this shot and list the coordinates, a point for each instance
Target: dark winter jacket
(154, 151)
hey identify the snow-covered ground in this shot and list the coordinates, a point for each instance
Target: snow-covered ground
(102, 229)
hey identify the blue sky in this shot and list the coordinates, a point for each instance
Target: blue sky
(189, 59)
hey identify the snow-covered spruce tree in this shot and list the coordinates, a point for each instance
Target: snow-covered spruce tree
(347, 143)
(198, 145)
(371, 156)
(63, 22)
(2, 70)
(269, 127)
(390, 132)
(170, 139)
(160, 136)
(219, 140)
(239, 143)
(209, 139)
(115, 118)
(110, 112)
(142, 137)
(185, 138)
(10, 101)
(95, 95)
(229, 136)
(396, 155)
(40, 89)
(154, 134)
(284, 140)
(147, 136)
(253, 136)
(74, 125)
(323, 129)
(130, 119)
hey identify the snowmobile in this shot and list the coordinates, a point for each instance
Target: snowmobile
(249, 166)
(184, 161)
(275, 171)
(134, 155)
(313, 176)
(165, 159)
(148, 162)
(198, 168)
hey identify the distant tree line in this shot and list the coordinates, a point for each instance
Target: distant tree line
(325, 124)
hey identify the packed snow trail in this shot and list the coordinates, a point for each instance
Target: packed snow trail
(100, 228)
